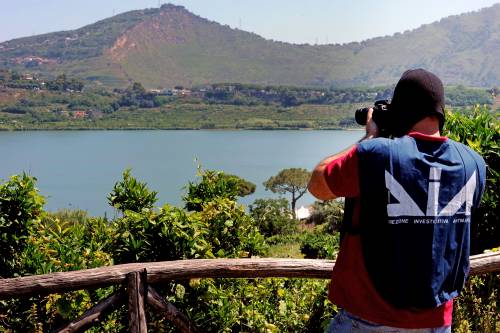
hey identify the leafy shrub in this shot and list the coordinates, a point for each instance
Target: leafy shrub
(273, 217)
(480, 129)
(245, 187)
(231, 232)
(260, 305)
(213, 184)
(21, 207)
(330, 212)
(129, 194)
(168, 234)
(320, 245)
(476, 310)
(66, 241)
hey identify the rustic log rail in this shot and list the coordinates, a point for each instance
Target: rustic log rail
(138, 276)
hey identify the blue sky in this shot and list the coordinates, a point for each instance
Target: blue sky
(295, 21)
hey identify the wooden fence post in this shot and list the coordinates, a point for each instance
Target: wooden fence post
(136, 288)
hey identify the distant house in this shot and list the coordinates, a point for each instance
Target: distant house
(302, 213)
(181, 92)
(199, 93)
(80, 114)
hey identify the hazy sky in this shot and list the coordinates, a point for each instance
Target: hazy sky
(296, 21)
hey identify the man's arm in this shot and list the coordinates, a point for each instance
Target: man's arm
(318, 184)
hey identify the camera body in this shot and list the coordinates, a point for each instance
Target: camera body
(381, 116)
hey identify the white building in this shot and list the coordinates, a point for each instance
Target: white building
(302, 213)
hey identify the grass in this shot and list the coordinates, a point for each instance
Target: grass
(287, 250)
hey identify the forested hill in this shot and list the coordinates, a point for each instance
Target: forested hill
(170, 46)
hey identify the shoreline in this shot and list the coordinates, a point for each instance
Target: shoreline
(175, 129)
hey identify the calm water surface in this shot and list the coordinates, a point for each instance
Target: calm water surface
(77, 169)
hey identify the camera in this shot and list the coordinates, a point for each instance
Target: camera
(381, 115)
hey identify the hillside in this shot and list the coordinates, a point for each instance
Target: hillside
(171, 46)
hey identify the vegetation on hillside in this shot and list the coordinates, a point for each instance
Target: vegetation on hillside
(87, 42)
(30, 102)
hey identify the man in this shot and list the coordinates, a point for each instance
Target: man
(409, 204)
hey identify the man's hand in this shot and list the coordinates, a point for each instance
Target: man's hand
(372, 130)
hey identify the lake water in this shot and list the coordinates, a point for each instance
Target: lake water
(77, 169)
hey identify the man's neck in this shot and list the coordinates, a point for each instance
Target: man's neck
(428, 126)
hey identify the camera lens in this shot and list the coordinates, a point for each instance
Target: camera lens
(361, 115)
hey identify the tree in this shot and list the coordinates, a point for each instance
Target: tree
(273, 217)
(136, 95)
(15, 76)
(293, 181)
(245, 187)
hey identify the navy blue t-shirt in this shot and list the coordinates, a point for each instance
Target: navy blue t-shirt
(418, 199)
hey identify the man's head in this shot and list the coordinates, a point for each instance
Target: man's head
(417, 95)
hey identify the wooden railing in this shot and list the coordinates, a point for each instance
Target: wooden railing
(138, 278)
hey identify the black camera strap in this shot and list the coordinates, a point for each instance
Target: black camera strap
(347, 226)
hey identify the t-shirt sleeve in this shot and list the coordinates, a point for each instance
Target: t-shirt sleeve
(341, 174)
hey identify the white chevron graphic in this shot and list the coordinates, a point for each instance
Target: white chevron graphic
(406, 206)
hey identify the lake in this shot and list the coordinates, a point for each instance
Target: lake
(77, 169)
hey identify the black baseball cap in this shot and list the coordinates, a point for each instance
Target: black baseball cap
(418, 94)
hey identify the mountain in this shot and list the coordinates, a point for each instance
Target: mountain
(170, 46)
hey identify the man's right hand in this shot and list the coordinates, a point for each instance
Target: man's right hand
(372, 130)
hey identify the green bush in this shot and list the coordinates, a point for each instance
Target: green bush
(168, 234)
(320, 245)
(261, 305)
(67, 241)
(330, 212)
(129, 194)
(210, 185)
(479, 128)
(273, 217)
(21, 207)
(61, 241)
(231, 232)
(476, 310)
